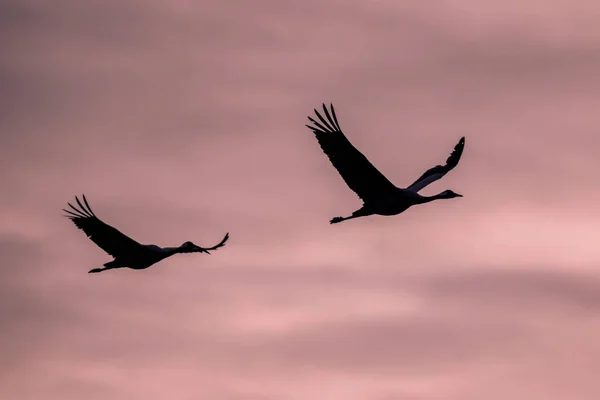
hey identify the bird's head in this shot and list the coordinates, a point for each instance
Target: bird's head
(449, 194)
(189, 247)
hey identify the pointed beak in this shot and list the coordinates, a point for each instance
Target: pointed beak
(199, 249)
(202, 250)
(459, 195)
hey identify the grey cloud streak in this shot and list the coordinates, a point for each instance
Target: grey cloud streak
(368, 337)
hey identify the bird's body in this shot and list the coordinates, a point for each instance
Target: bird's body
(379, 195)
(146, 256)
(127, 252)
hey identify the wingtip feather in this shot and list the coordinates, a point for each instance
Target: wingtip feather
(83, 209)
(329, 128)
(77, 212)
(88, 206)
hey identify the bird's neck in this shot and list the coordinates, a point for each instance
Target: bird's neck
(169, 251)
(427, 199)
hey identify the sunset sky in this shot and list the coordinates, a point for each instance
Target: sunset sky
(183, 120)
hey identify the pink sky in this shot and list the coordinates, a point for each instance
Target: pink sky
(182, 120)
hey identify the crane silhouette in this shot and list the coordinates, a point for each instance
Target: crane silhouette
(379, 195)
(127, 252)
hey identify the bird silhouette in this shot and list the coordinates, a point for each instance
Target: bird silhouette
(127, 252)
(379, 195)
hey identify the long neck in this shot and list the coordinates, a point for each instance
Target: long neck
(169, 251)
(427, 199)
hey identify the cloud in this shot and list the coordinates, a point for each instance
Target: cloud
(229, 328)
(23, 311)
(183, 121)
(468, 317)
(543, 290)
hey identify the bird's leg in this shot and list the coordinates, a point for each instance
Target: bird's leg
(356, 214)
(109, 265)
(93, 271)
(336, 220)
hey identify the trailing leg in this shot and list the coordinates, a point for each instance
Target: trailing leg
(109, 265)
(356, 214)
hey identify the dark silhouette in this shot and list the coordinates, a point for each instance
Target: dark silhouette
(378, 194)
(127, 252)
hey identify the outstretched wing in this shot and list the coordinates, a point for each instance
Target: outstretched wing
(105, 236)
(221, 243)
(438, 171)
(356, 170)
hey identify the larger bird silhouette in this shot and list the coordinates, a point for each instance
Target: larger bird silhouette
(127, 252)
(379, 195)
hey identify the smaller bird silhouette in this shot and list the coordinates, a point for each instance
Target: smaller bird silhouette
(379, 195)
(127, 252)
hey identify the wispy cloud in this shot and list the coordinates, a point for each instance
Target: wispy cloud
(182, 121)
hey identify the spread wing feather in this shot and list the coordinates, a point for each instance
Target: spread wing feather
(357, 171)
(221, 243)
(105, 236)
(437, 172)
